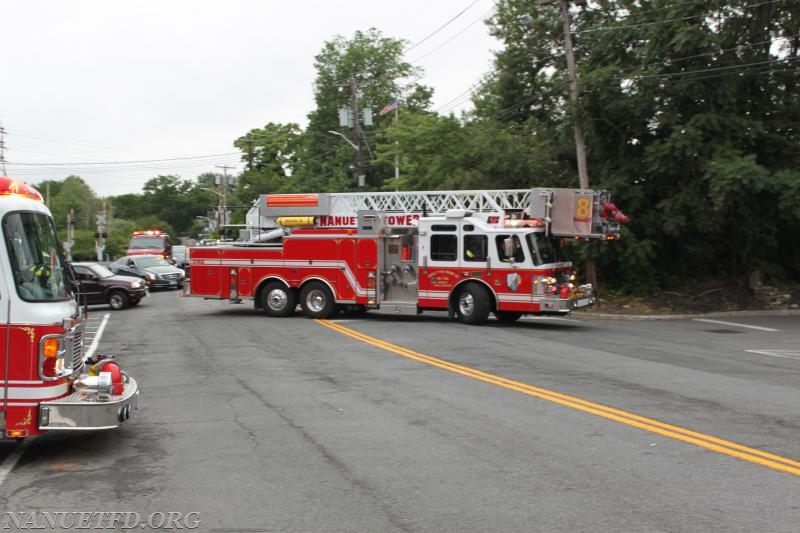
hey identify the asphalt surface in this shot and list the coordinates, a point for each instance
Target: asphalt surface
(381, 424)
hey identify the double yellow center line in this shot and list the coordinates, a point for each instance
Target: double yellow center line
(648, 424)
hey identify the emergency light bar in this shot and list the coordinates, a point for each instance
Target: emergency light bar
(12, 187)
(292, 200)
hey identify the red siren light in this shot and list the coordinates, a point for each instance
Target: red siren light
(12, 187)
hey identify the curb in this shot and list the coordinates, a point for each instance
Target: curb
(611, 316)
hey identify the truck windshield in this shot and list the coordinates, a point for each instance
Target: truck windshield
(147, 243)
(544, 249)
(36, 259)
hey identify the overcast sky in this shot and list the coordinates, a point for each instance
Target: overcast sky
(104, 81)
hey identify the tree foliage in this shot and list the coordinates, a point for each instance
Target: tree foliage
(689, 111)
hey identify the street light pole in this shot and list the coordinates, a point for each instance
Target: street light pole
(348, 141)
(359, 156)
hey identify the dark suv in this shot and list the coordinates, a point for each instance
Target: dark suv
(98, 285)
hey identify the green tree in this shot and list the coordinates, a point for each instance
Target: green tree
(370, 66)
(686, 109)
(167, 198)
(270, 155)
(72, 194)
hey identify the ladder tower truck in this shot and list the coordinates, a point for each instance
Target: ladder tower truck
(470, 253)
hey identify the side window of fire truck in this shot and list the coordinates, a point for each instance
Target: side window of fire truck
(444, 247)
(475, 247)
(516, 255)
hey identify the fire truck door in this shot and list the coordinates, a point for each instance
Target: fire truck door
(367, 268)
(207, 273)
(398, 268)
(5, 331)
(345, 284)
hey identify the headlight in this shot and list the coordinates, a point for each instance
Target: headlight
(136, 284)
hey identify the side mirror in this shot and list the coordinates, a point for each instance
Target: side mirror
(508, 248)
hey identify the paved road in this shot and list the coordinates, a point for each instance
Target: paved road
(382, 424)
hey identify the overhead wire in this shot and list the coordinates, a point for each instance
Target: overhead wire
(440, 28)
(89, 167)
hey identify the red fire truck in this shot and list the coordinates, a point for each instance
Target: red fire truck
(47, 385)
(150, 242)
(471, 253)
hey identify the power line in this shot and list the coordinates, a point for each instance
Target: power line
(417, 60)
(701, 71)
(668, 61)
(440, 28)
(128, 162)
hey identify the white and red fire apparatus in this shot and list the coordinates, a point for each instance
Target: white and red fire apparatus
(150, 242)
(47, 385)
(471, 253)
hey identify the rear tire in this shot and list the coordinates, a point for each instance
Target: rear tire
(473, 305)
(316, 300)
(118, 300)
(278, 300)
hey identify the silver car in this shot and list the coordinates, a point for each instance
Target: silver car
(165, 275)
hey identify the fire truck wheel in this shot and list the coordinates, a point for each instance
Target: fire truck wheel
(118, 300)
(278, 299)
(473, 304)
(316, 300)
(507, 316)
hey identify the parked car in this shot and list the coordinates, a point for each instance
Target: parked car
(99, 285)
(165, 275)
(125, 270)
(180, 254)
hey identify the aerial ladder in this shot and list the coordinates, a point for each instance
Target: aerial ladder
(584, 213)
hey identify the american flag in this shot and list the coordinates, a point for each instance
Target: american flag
(391, 106)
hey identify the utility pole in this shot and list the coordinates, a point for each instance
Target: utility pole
(250, 151)
(70, 233)
(580, 145)
(102, 233)
(357, 136)
(352, 118)
(2, 151)
(223, 200)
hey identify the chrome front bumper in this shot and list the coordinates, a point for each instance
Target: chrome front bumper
(559, 306)
(85, 410)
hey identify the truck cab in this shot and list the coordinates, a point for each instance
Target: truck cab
(46, 382)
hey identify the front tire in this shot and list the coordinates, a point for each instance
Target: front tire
(507, 317)
(473, 305)
(316, 300)
(278, 300)
(118, 300)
